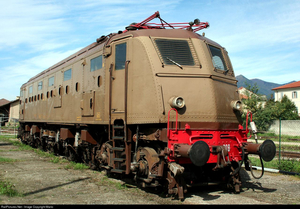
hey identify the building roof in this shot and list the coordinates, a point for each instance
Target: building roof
(288, 86)
(3, 101)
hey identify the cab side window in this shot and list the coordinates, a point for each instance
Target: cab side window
(51, 81)
(120, 56)
(67, 74)
(96, 63)
(217, 58)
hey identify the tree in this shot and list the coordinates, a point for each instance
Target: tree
(253, 102)
(263, 115)
(284, 109)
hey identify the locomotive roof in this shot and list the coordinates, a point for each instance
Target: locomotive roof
(106, 40)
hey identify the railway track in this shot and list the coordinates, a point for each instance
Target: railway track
(289, 154)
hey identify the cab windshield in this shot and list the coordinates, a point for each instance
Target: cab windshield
(176, 52)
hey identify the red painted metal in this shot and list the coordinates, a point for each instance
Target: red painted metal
(231, 139)
(168, 125)
(163, 24)
(249, 112)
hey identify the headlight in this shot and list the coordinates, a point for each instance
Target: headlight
(236, 105)
(177, 102)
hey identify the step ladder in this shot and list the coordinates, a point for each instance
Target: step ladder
(121, 149)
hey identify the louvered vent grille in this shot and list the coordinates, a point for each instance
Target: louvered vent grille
(176, 50)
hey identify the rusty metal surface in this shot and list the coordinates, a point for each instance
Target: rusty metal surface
(149, 160)
(252, 148)
(66, 133)
(182, 150)
(86, 136)
(35, 129)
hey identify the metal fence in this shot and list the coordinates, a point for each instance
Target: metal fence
(9, 126)
(286, 128)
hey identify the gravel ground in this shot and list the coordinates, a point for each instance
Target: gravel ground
(43, 182)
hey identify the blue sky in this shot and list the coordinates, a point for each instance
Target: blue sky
(261, 37)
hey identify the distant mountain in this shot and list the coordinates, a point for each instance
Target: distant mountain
(264, 87)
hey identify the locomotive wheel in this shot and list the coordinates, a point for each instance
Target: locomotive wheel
(56, 148)
(147, 159)
(234, 181)
(71, 153)
(71, 156)
(51, 148)
(39, 144)
(23, 139)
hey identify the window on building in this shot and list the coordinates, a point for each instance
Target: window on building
(120, 58)
(51, 81)
(40, 85)
(67, 74)
(294, 95)
(96, 63)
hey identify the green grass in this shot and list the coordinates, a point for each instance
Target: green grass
(7, 188)
(7, 160)
(6, 137)
(107, 181)
(76, 166)
(289, 165)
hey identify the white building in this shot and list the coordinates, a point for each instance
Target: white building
(245, 94)
(292, 91)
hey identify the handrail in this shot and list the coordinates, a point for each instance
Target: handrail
(168, 125)
(109, 99)
(249, 112)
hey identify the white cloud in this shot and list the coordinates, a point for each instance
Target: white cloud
(28, 22)
(256, 25)
(14, 76)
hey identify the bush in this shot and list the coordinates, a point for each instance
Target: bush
(289, 165)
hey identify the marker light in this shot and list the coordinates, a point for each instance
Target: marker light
(236, 105)
(177, 102)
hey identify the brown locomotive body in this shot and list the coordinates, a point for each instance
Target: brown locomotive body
(136, 102)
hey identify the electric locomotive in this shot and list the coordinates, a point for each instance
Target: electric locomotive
(156, 101)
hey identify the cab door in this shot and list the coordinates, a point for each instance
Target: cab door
(118, 74)
(118, 90)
